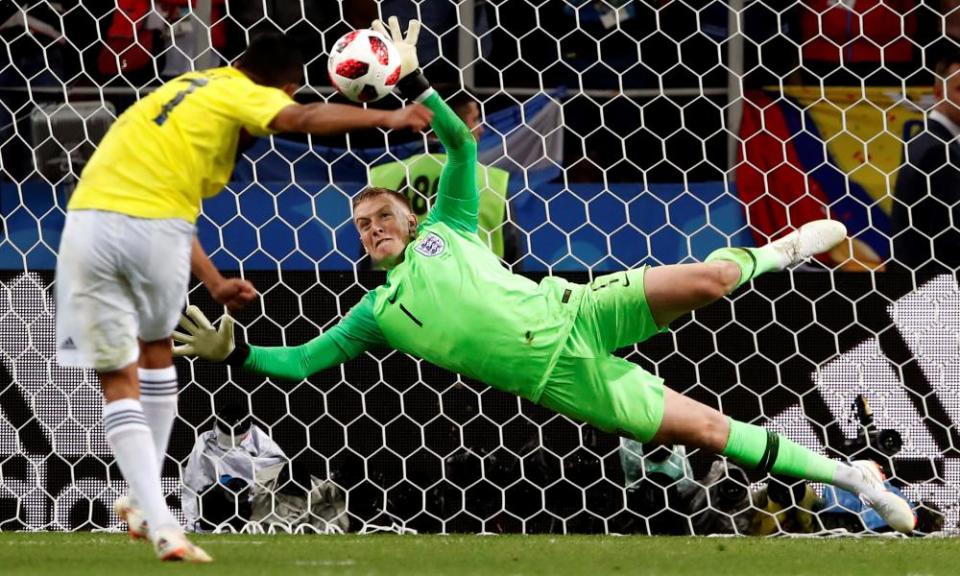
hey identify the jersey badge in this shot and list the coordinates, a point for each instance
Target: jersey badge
(431, 245)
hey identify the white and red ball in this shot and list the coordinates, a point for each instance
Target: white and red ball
(364, 65)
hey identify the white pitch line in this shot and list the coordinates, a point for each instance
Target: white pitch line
(323, 562)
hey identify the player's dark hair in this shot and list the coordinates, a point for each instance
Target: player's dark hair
(456, 96)
(948, 56)
(461, 100)
(375, 192)
(273, 59)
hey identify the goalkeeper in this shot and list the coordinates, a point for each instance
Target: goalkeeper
(448, 300)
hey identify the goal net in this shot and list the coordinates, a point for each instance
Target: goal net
(618, 133)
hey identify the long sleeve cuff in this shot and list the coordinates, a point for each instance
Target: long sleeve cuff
(414, 86)
(239, 356)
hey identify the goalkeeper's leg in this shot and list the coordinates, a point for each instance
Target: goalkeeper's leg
(686, 421)
(618, 396)
(673, 291)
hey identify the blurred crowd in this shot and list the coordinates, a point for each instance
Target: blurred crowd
(634, 61)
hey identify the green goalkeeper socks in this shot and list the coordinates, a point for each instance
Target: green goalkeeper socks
(754, 447)
(752, 261)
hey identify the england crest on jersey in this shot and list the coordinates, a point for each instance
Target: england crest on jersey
(430, 245)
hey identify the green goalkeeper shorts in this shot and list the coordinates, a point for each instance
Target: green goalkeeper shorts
(588, 382)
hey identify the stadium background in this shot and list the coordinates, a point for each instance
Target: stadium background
(614, 164)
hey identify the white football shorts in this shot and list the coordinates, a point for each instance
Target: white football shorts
(118, 278)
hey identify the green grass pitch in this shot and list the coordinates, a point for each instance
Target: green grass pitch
(40, 554)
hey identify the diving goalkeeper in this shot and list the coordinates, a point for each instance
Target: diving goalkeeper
(448, 300)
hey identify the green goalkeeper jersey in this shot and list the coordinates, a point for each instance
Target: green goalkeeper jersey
(450, 301)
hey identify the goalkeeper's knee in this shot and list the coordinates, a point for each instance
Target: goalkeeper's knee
(744, 258)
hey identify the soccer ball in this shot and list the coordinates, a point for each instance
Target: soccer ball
(364, 65)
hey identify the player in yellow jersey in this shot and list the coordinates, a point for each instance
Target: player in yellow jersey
(129, 245)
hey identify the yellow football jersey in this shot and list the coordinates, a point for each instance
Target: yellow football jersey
(177, 145)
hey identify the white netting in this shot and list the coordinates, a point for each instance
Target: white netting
(632, 132)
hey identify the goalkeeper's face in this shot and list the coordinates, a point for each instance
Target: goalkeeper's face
(386, 226)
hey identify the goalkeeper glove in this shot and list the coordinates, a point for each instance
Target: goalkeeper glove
(207, 342)
(413, 85)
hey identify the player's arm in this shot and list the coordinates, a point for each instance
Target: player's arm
(458, 198)
(234, 293)
(263, 110)
(357, 332)
(328, 119)
(292, 362)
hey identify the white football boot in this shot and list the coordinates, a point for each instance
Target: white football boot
(171, 545)
(895, 511)
(811, 239)
(133, 516)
